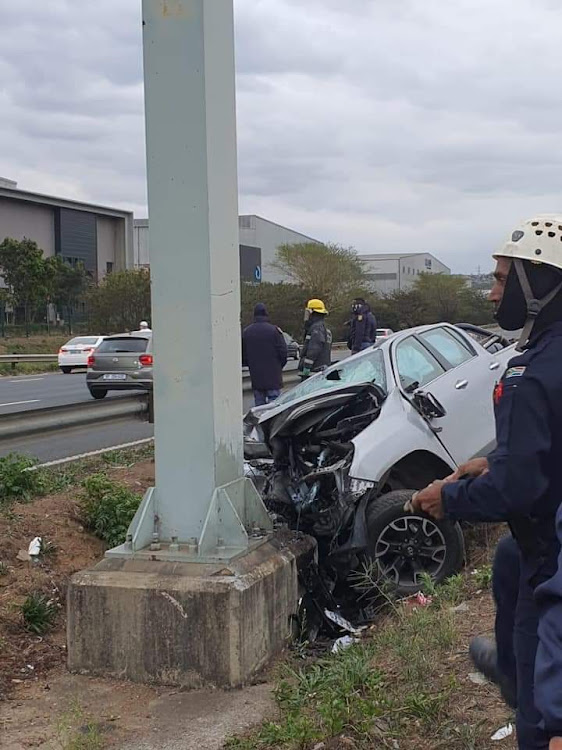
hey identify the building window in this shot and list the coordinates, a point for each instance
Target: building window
(403, 269)
(109, 267)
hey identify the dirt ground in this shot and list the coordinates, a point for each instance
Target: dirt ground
(40, 701)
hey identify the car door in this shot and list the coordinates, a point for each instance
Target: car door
(463, 385)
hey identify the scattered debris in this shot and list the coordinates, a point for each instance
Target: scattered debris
(342, 622)
(503, 733)
(477, 678)
(23, 556)
(463, 607)
(344, 642)
(34, 549)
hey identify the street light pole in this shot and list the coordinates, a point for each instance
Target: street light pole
(201, 507)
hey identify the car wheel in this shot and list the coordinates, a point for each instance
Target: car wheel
(406, 545)
(98, 393)
(66, 370)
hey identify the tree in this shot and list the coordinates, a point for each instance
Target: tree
(24, 273)
(332, 273)
(67, 285)
(120, 301)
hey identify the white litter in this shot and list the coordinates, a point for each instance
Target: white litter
(503, 733)
(342, 622)
(342, 643)
(34, 547)
(477, 678)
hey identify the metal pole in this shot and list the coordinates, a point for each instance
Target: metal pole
(202, 506)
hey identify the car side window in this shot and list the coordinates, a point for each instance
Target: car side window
(447, 346)
(416, 364)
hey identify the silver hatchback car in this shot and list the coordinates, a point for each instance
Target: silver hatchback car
(120, 363)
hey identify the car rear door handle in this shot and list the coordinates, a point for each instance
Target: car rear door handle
(461, 384)
(494, 366)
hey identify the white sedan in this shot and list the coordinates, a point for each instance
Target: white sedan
(75, 353)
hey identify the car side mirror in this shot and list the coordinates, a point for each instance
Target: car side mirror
(428, 406)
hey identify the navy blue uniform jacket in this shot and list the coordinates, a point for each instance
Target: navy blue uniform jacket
(264, 351)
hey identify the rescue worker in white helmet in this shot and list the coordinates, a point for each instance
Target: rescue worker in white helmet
(521, 483)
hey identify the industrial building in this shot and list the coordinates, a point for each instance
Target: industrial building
(258, 238)
(99, 237)
(391, 272)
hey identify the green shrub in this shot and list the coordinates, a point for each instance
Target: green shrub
(38, 613)
(108, 508)
(16, 481)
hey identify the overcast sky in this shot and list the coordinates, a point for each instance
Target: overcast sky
(389, 125)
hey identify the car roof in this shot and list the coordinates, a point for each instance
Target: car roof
(131, 335)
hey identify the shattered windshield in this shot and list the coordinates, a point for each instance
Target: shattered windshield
(366, 368)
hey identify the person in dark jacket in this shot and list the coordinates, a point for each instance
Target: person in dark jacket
(521, 483)
(264, 351)
(317, 349)
(363, 327)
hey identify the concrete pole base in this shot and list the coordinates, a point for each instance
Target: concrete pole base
(188, 624)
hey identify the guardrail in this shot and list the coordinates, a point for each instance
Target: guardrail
(14, 359)
(33, 421)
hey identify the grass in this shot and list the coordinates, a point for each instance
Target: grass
(108, 508)
(20, 481)
(75, 731)
(16, 481)
(376, 693)
(38, 613)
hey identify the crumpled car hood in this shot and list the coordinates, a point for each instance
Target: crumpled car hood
(281, 419)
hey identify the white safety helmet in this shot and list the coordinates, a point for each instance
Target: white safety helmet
(538, 240)
(143, 325)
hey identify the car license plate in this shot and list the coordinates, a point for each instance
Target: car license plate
(115, 376)
(74, 351)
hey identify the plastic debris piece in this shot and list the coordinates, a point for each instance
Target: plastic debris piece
(342, 622)
(461, 608)
(23, 555)
(477, 678)
(423, 600)
(34, 547)
(503, 733)
(344, 642)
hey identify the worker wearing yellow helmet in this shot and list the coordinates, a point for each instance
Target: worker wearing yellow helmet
(317, 348)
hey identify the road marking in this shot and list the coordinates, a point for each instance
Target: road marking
(99, 452)
(27, 380)
(20, 403)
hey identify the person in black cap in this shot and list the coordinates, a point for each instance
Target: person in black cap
(264, 351)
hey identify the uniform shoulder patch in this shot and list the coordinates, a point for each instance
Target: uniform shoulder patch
(515, 372)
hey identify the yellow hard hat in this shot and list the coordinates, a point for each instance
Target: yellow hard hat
(316, 305)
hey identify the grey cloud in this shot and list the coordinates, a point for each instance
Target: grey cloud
(389, 125)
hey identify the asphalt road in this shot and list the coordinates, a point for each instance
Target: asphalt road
(79, 440)
(41, 391)
(54, 389)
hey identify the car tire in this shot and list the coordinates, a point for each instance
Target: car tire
(98, 393)
(440, 544)
(66, 370)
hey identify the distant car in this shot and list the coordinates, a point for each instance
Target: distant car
(293, 349)
(74, 354)
(384, 333)
(121, 363)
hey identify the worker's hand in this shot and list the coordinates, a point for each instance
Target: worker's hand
(555, 743)
(429, 500)
(474, 468)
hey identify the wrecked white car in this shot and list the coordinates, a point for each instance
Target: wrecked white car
(338, 455)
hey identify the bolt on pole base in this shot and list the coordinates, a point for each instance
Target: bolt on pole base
(237, 522)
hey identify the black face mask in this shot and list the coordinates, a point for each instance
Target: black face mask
(512, 313)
